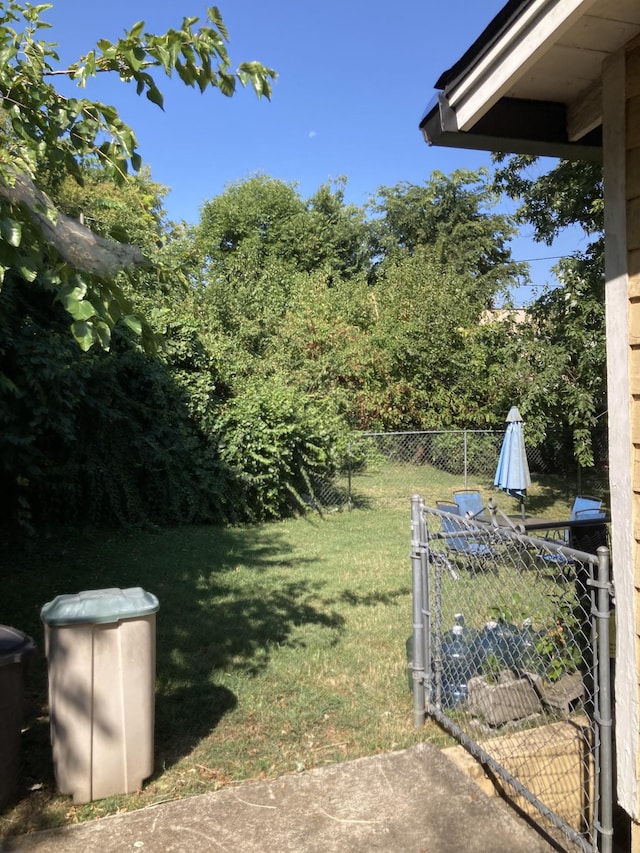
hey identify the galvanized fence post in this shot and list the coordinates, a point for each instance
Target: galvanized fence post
(426, 603)
(603, 695)
(466, 481)
(418, 662)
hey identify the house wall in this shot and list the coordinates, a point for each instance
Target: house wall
(632, 200)
(621, 148)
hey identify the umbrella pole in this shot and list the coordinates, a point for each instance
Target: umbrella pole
(522, 512)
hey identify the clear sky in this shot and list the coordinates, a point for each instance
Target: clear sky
(354, 78)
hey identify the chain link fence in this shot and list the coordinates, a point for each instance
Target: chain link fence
(510, 653)
(384, 469)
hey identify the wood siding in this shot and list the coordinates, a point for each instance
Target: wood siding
(632, 192)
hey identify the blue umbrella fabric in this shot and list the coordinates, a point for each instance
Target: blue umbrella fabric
(512, 473)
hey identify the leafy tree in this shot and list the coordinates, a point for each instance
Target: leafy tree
(268, 252)
(404, 353)
(563, 362)
(391, 351)
(452, 216)
(338, 232)
(263, 217)
(569, 193)
(259, 216)
(280, 443)
(46, 134)
(96, 436)
(129, 212)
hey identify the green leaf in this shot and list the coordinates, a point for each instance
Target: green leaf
(28, 273)
(83, 310)
(134, 323)
(72, 297)
(136, 30)
(155, 96)
(164, 56)
(227, 83)
(11, 231)
(72, 292)
(103, 334)
(84, 334)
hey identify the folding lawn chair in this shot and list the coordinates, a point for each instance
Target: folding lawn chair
(589, 537)
(582, 537)
(584, 503)
(459, 535)
(469, 502)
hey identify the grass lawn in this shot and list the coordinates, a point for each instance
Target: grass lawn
(279, 647)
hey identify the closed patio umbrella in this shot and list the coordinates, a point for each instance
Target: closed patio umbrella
(512, 473)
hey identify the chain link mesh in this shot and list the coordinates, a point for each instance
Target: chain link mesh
(402, 463)
(511, 661)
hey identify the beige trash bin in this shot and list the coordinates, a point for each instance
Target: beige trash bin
(100, 649)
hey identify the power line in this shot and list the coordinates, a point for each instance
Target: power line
(546, 258)
(554, 287)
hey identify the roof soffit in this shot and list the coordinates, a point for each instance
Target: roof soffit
(512, 56)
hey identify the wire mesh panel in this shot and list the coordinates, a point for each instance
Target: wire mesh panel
(511, 655)
(381, 470)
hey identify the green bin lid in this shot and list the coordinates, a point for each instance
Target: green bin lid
(99, 606)
(14, 645)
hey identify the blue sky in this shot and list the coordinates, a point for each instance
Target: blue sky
(354, 80)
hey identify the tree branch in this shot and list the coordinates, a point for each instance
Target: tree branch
(78, 245)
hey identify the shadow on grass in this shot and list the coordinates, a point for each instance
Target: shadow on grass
(550, 491)
(228, 598)
(361, 501)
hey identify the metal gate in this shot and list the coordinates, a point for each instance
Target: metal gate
(510, 653)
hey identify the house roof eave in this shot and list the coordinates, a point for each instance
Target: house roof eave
(514, 126)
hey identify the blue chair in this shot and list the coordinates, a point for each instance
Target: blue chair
(584, 507)
(591, 533)
(469, 502)
(460, 537)
(583, 537)
(584, 503)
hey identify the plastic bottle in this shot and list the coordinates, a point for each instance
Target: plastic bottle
(499, 645)
(530, 659)
(457, 663)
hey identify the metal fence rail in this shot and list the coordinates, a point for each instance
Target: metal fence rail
(510, 654)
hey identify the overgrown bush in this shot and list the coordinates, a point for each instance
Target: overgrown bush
(94, 438)
(278, 443)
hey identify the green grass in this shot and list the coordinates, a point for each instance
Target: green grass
(279, 647)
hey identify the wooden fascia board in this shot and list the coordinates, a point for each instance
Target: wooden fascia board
(585, 113)
(511, 126)
(510, 56)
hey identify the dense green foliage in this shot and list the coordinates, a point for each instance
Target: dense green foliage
(270, 356)
(563, 351)
(47, 137)
(222, 365)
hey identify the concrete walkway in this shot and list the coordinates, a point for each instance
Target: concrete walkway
(414, 801)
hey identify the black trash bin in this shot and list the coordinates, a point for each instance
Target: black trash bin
(15, 649)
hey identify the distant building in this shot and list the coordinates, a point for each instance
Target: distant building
(501, 315)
